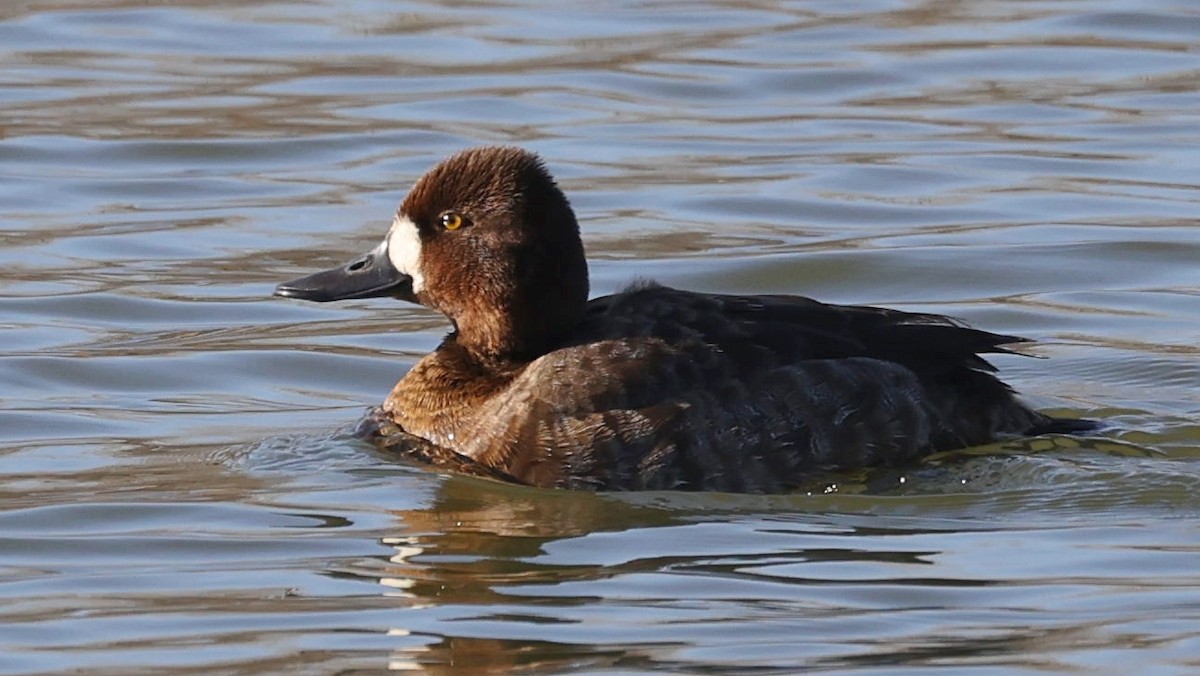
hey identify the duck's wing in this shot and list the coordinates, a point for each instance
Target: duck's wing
(970, 404)
(641, 413)
(761, 334)
(919, 340)
(785, 329)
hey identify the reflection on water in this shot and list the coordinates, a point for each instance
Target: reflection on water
(772, 582)
(179, 490)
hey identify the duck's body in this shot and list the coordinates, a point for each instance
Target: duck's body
(651, 388)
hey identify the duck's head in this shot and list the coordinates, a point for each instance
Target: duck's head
(486, 238)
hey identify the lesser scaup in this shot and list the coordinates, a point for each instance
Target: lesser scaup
(653, 387)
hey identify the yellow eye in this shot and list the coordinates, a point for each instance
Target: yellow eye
(451, 220)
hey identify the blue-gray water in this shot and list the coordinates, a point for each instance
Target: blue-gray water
(177, 490)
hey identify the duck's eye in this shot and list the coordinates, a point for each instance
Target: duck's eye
(451, 220)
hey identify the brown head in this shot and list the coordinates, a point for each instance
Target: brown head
(486, 238)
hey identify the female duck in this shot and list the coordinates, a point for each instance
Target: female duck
(650, 388)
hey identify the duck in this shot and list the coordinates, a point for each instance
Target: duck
(650, 388)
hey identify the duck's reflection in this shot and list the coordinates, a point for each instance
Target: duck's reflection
(498, 578)
(477, 541)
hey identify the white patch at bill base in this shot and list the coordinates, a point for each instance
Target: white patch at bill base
(404, 250)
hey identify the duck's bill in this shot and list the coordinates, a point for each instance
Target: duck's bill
(369, 276)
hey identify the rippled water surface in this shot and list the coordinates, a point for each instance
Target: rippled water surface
(179, 491)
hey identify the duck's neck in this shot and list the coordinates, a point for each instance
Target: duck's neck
(500, 338)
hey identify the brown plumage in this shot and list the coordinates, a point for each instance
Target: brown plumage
(650, 388)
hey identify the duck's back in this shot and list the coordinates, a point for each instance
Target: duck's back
(659, 388)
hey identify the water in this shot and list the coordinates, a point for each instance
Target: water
(179, 490)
